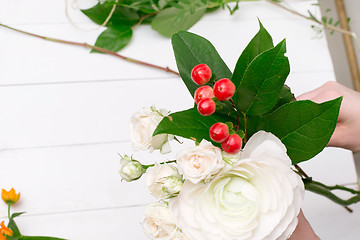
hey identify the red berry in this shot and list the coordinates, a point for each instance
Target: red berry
(206, 107)
(203, 92)
(201, 74)
(224, 89)
(219, 132)
(232, 145)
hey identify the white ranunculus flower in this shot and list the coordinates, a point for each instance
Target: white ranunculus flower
(258, 198)
(163, 181)
(142, 125)
(130, 169)
(200, 162)
(158, 223)
(231, 158)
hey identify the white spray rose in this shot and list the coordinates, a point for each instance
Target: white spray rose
(130, 169)
(200, 162)
(258, 198)
(163, 181)
(141, 127)
(158, 223)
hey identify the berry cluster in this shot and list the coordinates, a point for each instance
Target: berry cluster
(204, 96)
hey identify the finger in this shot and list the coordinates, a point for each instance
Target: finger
(307, 96)
(337, 138)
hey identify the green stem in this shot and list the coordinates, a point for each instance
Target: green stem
(86, 45)
(9, 215)
(151, 165)
(237, 116)
(245, 126)
(325, 25)
(302, 172)
(325, 191)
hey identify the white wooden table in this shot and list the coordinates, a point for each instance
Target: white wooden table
(64, 114)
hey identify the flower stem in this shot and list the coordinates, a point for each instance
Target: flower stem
(245, 126)
(86, 45)
(151, 165)
(325, 191)
(9, 215)
(237, 116)
(302, 172)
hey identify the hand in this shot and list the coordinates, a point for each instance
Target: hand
(347, 132)
(303, 230)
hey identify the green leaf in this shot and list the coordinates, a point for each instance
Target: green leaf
(121, 16)
(173, 19)
(162, 4)
(14, 215)
(190, 124)
(225, 108)
(259, 89)
(191, 50)
(39, 238)
(304, 127)
(114, 38)
(261, 42)
(12, 225)
(286, 96)
(17, 235)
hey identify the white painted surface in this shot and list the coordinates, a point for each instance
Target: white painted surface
(64, 116)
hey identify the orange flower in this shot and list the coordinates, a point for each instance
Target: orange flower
(2, 237)
(5, 230)
(10, 197)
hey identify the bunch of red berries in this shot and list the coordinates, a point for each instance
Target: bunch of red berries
(223, 90)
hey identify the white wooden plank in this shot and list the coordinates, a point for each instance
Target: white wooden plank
(72, 179)
(40, 11)
(121, 223)
(30, 60)
(331, 166)
(81, 113)
(80, 178)
(63, 114)
(329, 221)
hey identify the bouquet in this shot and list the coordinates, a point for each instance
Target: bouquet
(239, 178)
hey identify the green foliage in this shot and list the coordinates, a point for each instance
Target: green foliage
(18, 236)
(122, 16)
(261, 100)
(191, 50)
(190, 124)
(170, 16)
(114, 38)
(174, 19)
(324, 22)
(261, 42)
(165, 16)
(286, 96)
(263, 80)
(304, 127)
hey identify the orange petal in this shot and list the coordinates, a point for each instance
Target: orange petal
(5, 195)
(5, 230)
(10, 197)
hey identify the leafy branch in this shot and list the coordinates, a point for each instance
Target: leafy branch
(326, 23)
(170, 16)
(99, 49)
